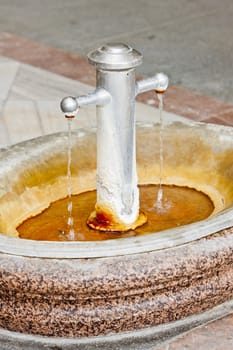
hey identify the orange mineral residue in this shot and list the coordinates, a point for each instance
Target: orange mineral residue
(180, 206)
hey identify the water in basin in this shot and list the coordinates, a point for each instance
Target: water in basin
(183, 206)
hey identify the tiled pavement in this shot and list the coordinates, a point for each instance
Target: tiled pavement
(191, 40)
(34, 78)
(178, 100)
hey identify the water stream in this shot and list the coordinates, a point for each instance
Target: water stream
(70, 219)
(159, 203)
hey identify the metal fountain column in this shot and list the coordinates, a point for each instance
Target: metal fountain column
(117, 206)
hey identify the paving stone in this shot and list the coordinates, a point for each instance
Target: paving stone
(213, 336)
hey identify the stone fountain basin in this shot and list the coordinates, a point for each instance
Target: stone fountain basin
(85, 289)
(33, 174)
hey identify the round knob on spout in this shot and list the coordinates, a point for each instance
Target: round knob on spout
(69, 105)
(115, 56)
(162, 82)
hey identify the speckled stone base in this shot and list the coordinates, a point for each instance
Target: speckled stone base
(90, 297)
(144, 339)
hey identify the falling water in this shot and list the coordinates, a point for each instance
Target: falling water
(159, 203)
(70, 219)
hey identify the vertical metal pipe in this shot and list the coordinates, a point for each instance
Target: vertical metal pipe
(116, 157)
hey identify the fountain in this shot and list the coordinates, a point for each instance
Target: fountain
(133, 285)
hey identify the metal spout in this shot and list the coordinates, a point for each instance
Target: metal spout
(117, 207)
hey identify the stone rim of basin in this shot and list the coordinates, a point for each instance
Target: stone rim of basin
(162, 240)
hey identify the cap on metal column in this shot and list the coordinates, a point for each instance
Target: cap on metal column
(115, 56)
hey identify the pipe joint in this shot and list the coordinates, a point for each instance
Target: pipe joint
(99, 97)
(159, 83)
